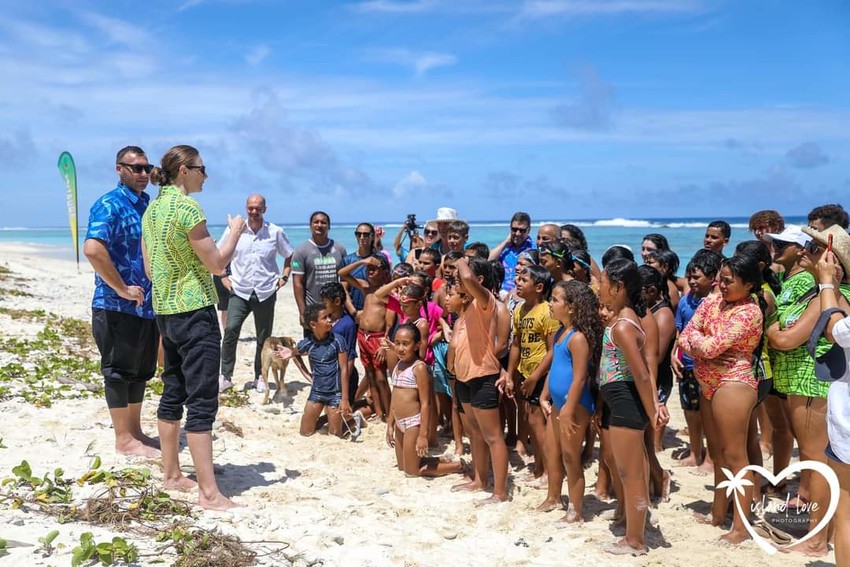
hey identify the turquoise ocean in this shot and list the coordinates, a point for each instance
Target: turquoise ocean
(684, 234)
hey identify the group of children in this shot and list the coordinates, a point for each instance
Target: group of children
(568, 352)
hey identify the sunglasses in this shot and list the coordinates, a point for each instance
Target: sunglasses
(519, 230)
(431, 232)
(138, 168)
(812, 247)
(201, 168)
(362, 234)
(781, 244)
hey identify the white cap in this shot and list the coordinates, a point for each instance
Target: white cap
(792, 233)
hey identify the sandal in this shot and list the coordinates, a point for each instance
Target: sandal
(770, 532)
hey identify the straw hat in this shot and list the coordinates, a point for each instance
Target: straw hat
(445, 214)
(840, 243)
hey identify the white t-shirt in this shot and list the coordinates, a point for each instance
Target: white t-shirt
(838, 399)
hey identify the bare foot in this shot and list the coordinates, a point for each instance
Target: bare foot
(149, 441)
(492, 500)
(219, 502)
(572, 517)
(471, 486)
(183, 484)
(602, 496)
(736, 538)
(549, 504)
(706, 519)
(807, 548)
(615, 516)
(541, 483)
(689, 461)
(623, 547)
(706, 468)
(136, 447)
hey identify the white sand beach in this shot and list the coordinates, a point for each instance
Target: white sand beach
(333, 501)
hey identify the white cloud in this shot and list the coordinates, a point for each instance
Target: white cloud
(409, 184)
(188, 4)
(420, 62)
(394, 7)
(257, 55)
(118, 31)
(540, 9)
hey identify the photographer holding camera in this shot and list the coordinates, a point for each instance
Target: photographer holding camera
(409, 229)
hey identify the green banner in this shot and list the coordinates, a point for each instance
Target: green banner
(69, 173)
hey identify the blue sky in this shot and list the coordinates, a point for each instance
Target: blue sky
(371, 109)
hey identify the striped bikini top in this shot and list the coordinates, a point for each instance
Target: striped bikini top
(405, 378)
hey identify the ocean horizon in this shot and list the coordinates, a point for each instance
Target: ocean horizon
(685, 234)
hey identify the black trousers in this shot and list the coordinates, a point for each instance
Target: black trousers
(192, 350)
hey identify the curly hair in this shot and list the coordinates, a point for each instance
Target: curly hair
(770, 219)
(586, 319)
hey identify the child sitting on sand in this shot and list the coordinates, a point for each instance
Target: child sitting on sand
(407, 424)
(328, 355)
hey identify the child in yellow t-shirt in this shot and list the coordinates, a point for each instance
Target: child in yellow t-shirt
(528, 363)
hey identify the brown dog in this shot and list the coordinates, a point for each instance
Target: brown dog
(277, 365)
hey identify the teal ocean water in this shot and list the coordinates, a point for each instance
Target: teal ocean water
(684, 234)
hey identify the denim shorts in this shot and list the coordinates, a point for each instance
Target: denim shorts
(332, 400)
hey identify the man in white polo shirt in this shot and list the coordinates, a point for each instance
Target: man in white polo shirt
(254, 280)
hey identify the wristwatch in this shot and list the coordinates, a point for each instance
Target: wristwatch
(824, 286)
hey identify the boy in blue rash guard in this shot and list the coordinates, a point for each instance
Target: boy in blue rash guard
(700, 273)
(328, 355)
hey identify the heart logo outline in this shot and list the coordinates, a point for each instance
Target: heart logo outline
(735, 484)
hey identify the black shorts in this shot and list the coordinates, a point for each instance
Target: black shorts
(192, 344)
(777, 393)
(480, 393)
(689, 391)
(623, 407)
(665, 382)
(764, 388)
(128, 345)
(534, 398)
(223, 294)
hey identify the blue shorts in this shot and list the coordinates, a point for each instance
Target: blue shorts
(832, 456)
(332, 400)
(439, 370)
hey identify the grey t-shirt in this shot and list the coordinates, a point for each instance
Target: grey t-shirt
(318, 265)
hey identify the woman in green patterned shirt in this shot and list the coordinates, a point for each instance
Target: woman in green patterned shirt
(794, 373)
(179, 257)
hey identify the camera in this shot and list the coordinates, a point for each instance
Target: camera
(410, 224)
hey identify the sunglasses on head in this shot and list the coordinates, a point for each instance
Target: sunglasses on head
(138, 167)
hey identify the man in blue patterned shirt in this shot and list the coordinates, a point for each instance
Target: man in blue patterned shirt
(123, 322)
